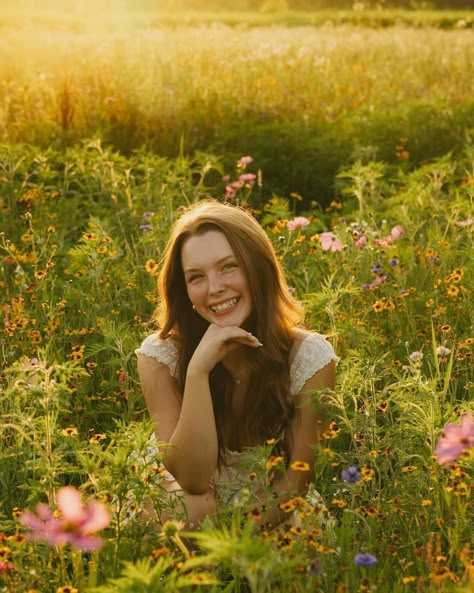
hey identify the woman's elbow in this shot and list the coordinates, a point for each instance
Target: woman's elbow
(191, 483)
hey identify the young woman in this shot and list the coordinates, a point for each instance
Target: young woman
(230, 368)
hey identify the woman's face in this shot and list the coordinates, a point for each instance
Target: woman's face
(216, 284)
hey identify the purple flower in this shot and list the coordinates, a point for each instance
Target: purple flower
(366, 560)
(148, 215)
(377, 268)
(351, 475)
(145, 227)
(76, 523)
(394, 261)
(456, 439)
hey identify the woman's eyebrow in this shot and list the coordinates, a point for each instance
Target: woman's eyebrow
(219, 261)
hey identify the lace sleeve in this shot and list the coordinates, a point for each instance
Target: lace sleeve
(314, 354)
(164, 351)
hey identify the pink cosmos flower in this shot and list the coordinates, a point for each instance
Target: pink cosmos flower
(465, 223)
(378, 280)
(397, 232)
(229, 192)
(247, 177)
(329, 242)
(75, 524)
(361, 242)
(385, 242)
(6, 566)
(244, 161)
(456, 439)
(297, 223)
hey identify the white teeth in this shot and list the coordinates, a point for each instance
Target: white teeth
(224, 306)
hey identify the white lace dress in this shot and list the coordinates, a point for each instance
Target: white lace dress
(314, 353)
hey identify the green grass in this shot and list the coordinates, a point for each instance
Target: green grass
(306, 101)
(78, 288)
(105, 133)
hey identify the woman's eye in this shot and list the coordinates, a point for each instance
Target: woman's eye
(230, 266)
(194, 277)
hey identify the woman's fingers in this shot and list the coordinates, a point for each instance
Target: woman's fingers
(219, 341)
(232, 333)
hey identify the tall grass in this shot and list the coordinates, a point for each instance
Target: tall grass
(308, 104)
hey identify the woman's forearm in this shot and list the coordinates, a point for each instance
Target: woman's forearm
(192, 455)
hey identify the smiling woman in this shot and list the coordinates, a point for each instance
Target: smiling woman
(230, 368)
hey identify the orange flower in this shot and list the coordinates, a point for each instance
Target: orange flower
(151, 266)
(273, 461)
(300, 466)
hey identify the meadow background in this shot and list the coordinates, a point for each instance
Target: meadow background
(359, 119)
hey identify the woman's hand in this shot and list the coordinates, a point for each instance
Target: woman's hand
(216, 343)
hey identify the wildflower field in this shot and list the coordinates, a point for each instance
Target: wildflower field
(380, 253)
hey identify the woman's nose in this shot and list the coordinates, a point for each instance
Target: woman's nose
(215, 284)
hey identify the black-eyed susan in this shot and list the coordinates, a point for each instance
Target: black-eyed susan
(300, 466)
(71, 431)
(378, 306)
(96, 438)
(17, 538)
(452, 291)
(67, 589)
(77, 353)
(151, 266)
(287, 506)
(255, 514)
(274, 461)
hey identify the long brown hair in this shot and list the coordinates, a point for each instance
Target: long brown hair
(267, 409)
